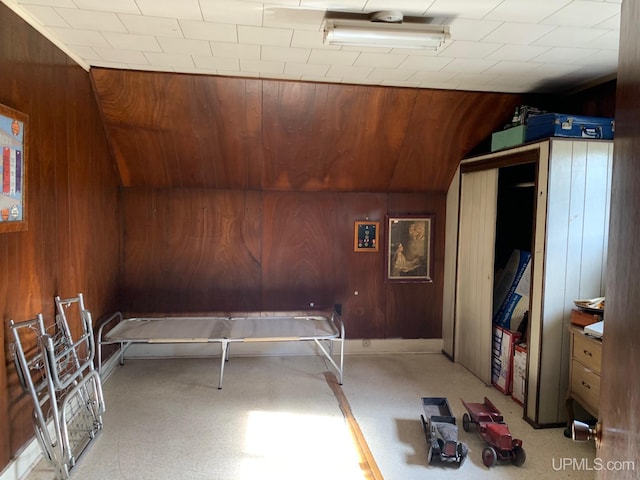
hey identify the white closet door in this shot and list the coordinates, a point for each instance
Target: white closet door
(476, 251)
(450, 257)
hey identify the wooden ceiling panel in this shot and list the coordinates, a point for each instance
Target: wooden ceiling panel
(196, 131)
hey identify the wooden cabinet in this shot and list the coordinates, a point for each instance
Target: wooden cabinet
(584, 376)
(570, 187)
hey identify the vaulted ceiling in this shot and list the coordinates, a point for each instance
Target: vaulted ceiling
(495, 45)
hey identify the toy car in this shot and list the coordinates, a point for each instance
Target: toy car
(441, 431)
(495, 432)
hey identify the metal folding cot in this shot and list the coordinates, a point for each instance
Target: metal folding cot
(322, 328)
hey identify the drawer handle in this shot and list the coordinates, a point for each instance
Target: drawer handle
(587, 353)
(586, 385)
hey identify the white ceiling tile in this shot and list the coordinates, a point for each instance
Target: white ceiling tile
(50, 3)
(225, 11)
(526, 11)
(379, 60)
(183, 9)
(215, 32)
(612, 23)
(343, 5)
(70, 36)
(390, 74)
(471, 30)
(91, 20)
(86, 52)
(425, 64)
(170, 59)
(509, 67)
(610, 40)
(517, 53)
(128, 41)
(46, 15)
(474, 81)
(545, 70)
(514, 83)
(307, 39)
(517, 33)
(290, 3)
(439, 85)
(259, 66)
(408, 7)
(284, 54)
(439, 77)
(464, 49)
(119, 55)
(305, 69)
(184, 46)
(462, 8)
(264, 36)
(302, 19)
(333, 57)
(343, 71)
(119, 6)
(515, 44)
(400, 83)
(583, 13)
(235, 74)
(165, 27)
(322, 79)
(571, 37)
(235, 50)
(468, 65)
(565, 55)
(217, 63)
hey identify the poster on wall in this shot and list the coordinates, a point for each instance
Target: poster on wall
(409, 248)
(13, 170)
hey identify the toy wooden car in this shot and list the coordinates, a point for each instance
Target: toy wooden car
(441, 431)
(501, 446)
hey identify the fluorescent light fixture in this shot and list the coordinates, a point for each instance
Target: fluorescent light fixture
(385, 34)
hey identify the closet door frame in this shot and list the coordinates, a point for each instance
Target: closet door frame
(476, 255)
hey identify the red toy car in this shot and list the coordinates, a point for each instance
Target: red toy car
(495, 432)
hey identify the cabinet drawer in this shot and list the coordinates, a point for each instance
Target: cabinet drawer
(585, 386)
(587, 351)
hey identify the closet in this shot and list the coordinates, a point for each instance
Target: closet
(553, 197)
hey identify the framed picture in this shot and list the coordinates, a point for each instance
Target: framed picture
(365, 237)
(409, 248)
(13, 170)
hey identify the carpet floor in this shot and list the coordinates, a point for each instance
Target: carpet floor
(283, 418)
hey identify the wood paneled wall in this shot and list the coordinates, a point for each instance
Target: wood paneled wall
(72, 241)
(243, 193)
(194, 131)
(199, 250)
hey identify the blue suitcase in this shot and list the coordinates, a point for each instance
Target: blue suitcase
(561, 125)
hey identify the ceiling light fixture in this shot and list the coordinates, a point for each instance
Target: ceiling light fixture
(388, 29)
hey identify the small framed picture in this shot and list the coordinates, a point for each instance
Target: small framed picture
(365, 237)
(409, 248)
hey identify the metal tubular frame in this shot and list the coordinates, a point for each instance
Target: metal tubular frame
(324, 342)
(58, 374)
